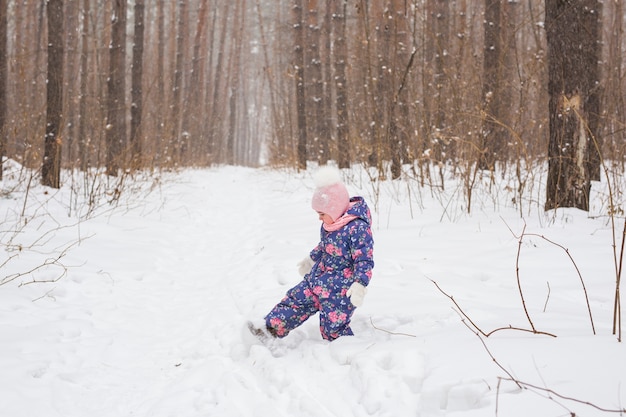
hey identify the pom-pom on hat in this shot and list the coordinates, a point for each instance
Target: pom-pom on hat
(331, 196)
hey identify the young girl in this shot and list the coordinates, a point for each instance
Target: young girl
(336, 272)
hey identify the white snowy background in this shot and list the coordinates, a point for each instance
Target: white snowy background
(146, 310)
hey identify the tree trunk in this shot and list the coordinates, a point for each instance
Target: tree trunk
(399, 120)
(442, 46)
(136, 107)
(196, 85)
(51, 168)
(71, 80)
(314, 87)
(235, 94)
(215, 118)
(3, 80)
(83, 136)
(267, 72)
(179, 141)
(341, 88)
(298, 22)
(573, 33)
(491, 89)
(161, 147)
(613, 103)
(116, 90)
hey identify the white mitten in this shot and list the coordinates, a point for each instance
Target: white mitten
(305, 265)
(356, 292)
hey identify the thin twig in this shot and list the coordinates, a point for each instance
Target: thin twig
(564, 397)
(545, 306)
(617, 309)
(520, 238)
(580, 277)
(490, 354)
(526, 385)
(519, 283)
(487, 334)
(389, 332)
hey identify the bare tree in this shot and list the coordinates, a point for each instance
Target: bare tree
(51, 167)
(160, 112)
(491, 98)
(179, 141)
(315, 81)
(196, 83)
(340, 57)
(298, 63)
(3, 80)
(116, 90)
(327, 81)
(215, 115)
(442, 33)
(267, 72)
(573, 36)
(136, 107)
(71, 81)
(399, 120)
(235, 82)
(83, 136)
(613, 103)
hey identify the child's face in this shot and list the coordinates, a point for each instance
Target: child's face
(325, 218)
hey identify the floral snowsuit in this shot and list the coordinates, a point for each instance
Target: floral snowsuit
(341, 258)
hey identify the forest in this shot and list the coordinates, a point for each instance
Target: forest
(418, 89)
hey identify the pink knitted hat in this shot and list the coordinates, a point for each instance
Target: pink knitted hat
(331, 196)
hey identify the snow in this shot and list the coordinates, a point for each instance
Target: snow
(146, 309)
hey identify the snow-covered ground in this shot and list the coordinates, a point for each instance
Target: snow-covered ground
(147, 318)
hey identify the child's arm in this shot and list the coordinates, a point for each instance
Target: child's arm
(362, 252)
(316, 253)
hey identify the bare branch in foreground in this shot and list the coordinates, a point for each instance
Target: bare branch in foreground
(486, 334)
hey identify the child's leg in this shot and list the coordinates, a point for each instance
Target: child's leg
(294, 309)
(335, 315)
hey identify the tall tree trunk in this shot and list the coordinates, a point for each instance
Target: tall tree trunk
(340, 59)
(217, 112)
(491, 89)
(136, 107)
(161, 146)
(399, 111)
(573, 42)
(441, 52)
(116, 90)
(314, 87)
(179, 141)
(368, 144)
(72, 41)
(614, 103)
(235, 72)
(3, 80)
(298, 23)
(380, 83)
(83, 136)
(267, 72)
(327, 81)
(196, 85)
(51, 168)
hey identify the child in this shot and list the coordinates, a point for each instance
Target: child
(338, 269)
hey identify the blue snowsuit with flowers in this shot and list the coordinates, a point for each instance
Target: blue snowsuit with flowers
(341, 258)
